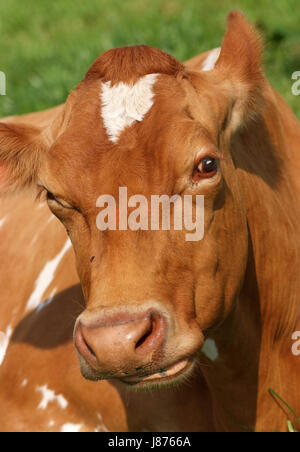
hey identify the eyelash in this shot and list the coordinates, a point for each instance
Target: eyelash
(51, 197)
(40, 194)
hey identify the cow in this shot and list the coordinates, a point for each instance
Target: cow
(171, 334)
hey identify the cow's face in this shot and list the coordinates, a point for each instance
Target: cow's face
(151, 293)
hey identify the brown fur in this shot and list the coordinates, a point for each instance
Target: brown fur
(20, 148)
(128, 64)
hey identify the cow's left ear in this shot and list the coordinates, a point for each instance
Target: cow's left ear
(239, 69)
(21, 149)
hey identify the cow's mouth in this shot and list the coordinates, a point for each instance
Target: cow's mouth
(170, 375)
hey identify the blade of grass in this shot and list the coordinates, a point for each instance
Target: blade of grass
(272, 392)
(291, 427)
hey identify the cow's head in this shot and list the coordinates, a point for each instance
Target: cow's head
(141, 120)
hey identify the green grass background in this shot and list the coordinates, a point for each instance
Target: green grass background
(46, 46)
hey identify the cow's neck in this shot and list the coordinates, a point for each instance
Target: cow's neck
(255, 341)
(272, 198)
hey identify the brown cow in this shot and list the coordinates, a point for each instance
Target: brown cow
(142, 120)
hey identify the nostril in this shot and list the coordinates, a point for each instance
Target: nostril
(90, 350)
(153, 336)
(82, 345)
(144, 338)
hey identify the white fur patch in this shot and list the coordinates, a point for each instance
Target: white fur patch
(71, 428)
(24, 383)
(210, 350)
(34, 240)
(50, 219)
(49, 396)
(45, 278)
(41, 306)
(123, 104)
(4, 342)
(101, 427)
(210, 61)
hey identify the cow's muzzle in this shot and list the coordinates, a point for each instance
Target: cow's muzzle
(121, 346)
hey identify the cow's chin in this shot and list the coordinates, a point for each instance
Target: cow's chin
(171, 376)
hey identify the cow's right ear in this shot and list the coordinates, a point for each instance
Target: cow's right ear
(21, 150)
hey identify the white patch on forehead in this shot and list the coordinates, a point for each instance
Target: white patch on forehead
(210, 349)
(71, 428)
(4, 342)
(45, 278)
(124, 104)
(2, 221)
(210, 61)
(49, 396)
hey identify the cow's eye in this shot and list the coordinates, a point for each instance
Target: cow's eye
(205, 168)
(51, 198)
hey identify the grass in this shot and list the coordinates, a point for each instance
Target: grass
(292, 424)
(48, 45)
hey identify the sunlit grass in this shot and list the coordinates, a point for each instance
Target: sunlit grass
(47, 46)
